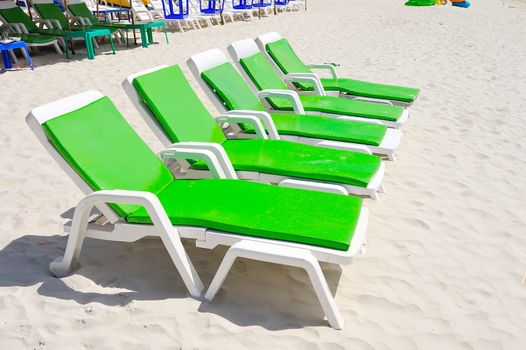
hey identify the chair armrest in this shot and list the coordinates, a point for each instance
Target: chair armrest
(264, 118)
(288, 94)
(213, 154)
(307, 78)
(239, 119)
(11, 28)
(375, 100)
(330, 67)
(345, 147)
(314, 186)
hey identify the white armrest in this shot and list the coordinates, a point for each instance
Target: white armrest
(239, 119)
(264, 117)
(375, 100)
(314, 186)
(369, 121)
(345, 147)
(325, 66)
(213, 154)
(307, 78)
(53, 24)
(288, 94)
(77, 20)
(11, 28)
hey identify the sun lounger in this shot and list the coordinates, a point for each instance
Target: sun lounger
(171, 107)
(17, 23)
(259, 72)
(279, 51)
(231, 92)
(139, 197)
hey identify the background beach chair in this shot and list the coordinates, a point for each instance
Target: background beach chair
(139, 197)
(170, 106)
(17, 23)
(262, 77)
(279, 51)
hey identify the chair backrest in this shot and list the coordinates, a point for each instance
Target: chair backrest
(172, 9)
(91, 140)
(241, 4)
(179, 114)
(78, 8)
(281, 53)
(10, 13)
(223, 81)
(47, 9)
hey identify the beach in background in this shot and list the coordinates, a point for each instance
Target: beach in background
(446, 248)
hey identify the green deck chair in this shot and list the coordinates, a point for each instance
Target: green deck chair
(17, 23)
(137, 196)
(164, 95)
(213, 67)
(49, 12)
(281, 53)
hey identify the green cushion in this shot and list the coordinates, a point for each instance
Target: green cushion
(36, 39)
(106, 152)
(260, 210)
(287, 60)
(17, 15)
(52, 11)
(81, 10)
(261, 72)
(374, 90)
(232, 89)
(176, 107)
(292, 159)
(327, 128)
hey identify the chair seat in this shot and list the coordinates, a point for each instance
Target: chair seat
(373, 90)
(260, 210)
(297, 160)
(36, 39)
(327, 128)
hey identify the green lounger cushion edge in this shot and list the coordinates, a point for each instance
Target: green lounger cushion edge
(292, 159)
(288, 61)
(17, 15)
(260, 210)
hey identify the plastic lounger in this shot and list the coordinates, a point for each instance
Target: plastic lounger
(233, 93)
(20, 25)
(101, 152)
(170, 106)
(281, 53)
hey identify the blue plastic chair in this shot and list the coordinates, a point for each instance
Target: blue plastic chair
(5, 48)
(210, 7)
(175, 12)
(241, 4)
(261, 3)
(281, 2)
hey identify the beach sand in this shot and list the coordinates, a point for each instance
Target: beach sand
(446, 246)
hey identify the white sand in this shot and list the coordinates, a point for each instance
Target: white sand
(446, 246)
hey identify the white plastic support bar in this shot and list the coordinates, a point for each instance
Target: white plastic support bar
(239, 119)
(293, 96)
(374, 100)
(345, 147)
(213, 154)
(325, 66)
(314, 186)
(264, 117)
(289, 256)
(61, 266)
(311, 78)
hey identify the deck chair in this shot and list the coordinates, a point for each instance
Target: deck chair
(260, 74)
(231, 92)
(137, 196)
(17, 23)
(54, 18)
(170, 106)
(279, 51)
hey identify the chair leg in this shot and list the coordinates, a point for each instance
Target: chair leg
(57, 48)
(285, 256)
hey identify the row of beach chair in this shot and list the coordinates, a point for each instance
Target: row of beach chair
(316, 139)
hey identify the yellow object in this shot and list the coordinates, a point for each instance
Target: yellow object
(124, 3)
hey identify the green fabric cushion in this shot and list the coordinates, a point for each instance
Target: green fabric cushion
(35, 39)
(81, 10)
(287, 60)
(260, 71)
(374, 90)
(232, 89)
(319, 127)
(17, 15)
(106, 152)
(287, 214)
(52, 11)
(298, 160)
(177, 108)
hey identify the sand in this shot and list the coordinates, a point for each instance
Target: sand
(446, 246)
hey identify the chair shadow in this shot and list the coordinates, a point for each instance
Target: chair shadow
(254, 293)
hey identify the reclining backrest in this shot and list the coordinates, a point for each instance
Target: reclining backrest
(14, 14)
(49, 10)
(79, 9)
(100, 146)
(285, 57)
(261, 72)
(176, 107)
